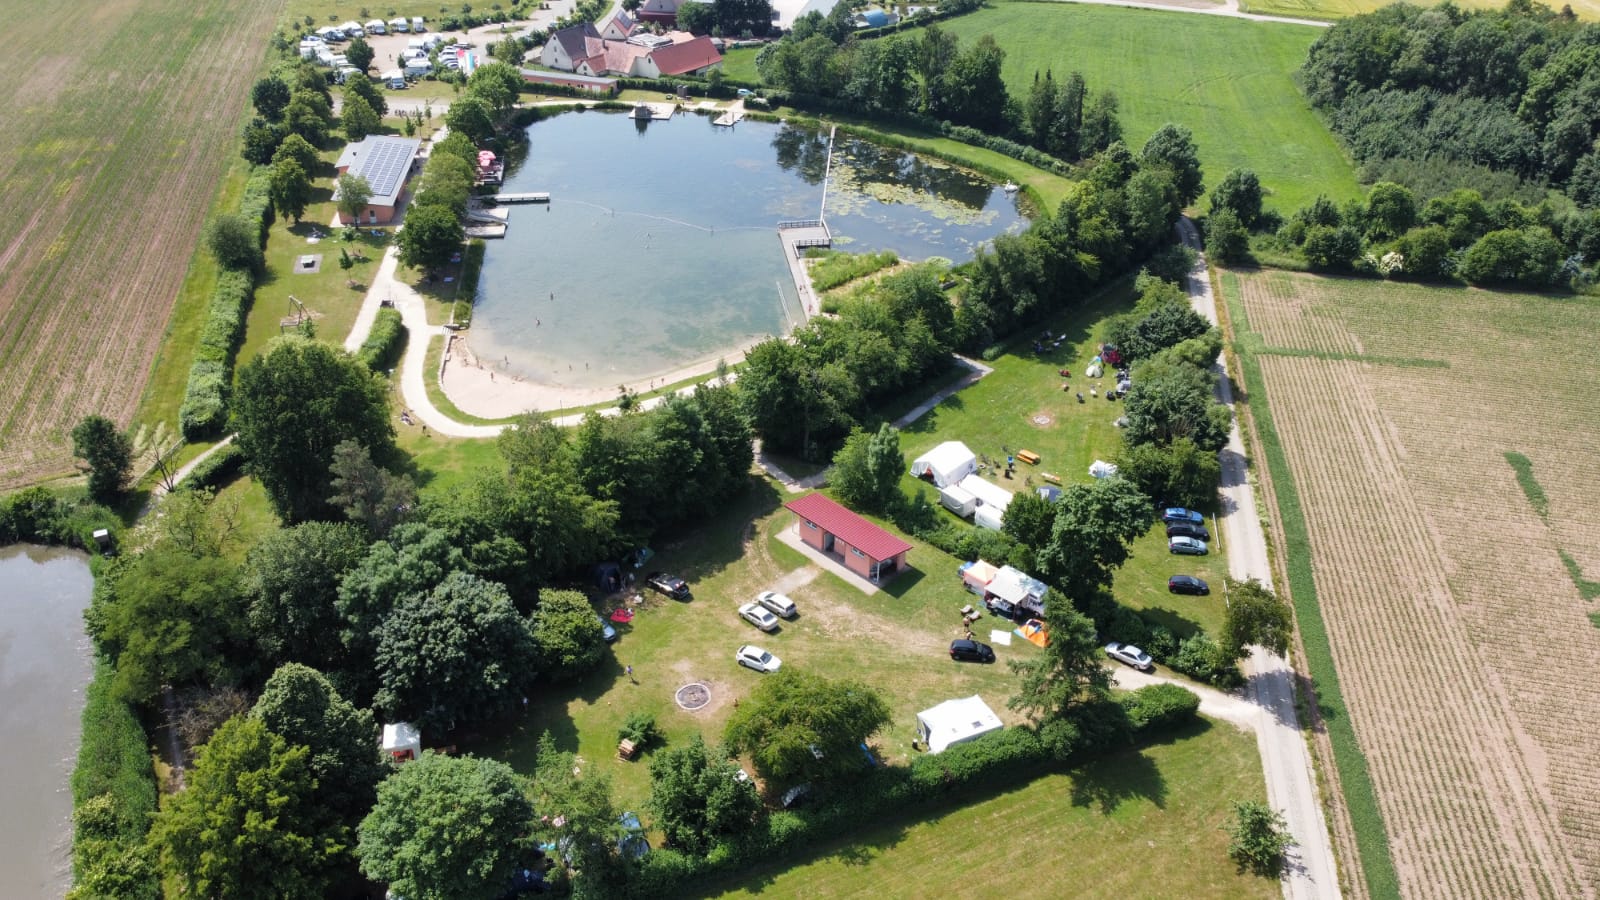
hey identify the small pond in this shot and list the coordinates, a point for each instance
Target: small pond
(44, 666)
(660, 250)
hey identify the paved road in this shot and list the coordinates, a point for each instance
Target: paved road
(1285, 758)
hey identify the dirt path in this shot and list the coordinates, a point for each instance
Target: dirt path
(1229, 9)
(1285, 758)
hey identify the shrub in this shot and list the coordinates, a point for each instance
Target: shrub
(838, 268)
(639, 727)
(1160, 707)
(1201, 657)
(113, 791)
(216, 470)
(384, 343)
(205, 401)
(1260, 837)
(38, 515)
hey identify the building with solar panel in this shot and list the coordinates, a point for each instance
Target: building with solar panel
(386, 163)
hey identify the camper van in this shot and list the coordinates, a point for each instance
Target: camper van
(394, 80)
(353, 29)
(376, 26)
(417, 25)
(958, 500)
(417, 68)
(399, 26)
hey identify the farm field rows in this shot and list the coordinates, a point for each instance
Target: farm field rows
(1461, 640)
(1230, 81)
(126, 115)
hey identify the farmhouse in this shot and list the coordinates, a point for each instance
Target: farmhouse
(956, 722)
(386, 163)
(864, 548)
(585, 50)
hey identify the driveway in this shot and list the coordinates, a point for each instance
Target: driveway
(1285, 758)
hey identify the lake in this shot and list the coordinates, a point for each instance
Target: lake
(659, 249)
(44, 667)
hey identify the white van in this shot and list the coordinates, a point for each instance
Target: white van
(399, 26)
(394, 80)
(376, 26)
(353, 29)
(417, 26)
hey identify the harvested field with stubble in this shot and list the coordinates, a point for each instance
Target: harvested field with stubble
(1462, 642)
(122, 116)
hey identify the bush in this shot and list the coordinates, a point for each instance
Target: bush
(217, 470)
(40, 516)
(639, 727)
(1260, 837)
(1160, 707)
(838, 268)
(113, 790)
(1202, 658)
(384, 344)
(205, 400)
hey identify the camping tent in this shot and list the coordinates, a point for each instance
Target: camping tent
(977, 575)
(945, 464)
(401, 741)
(956, 722)
(1102, 469)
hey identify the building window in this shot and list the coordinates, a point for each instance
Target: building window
(858, 553)
(811, 525)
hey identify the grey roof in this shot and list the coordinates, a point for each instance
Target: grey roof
(384, 162)
(574, 40)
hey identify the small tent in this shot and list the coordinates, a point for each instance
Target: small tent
(956, 722)
(945, 464)
(1102, 469)
(401, 742)
(977, 575)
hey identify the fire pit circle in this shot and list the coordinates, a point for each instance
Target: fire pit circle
(693, 696)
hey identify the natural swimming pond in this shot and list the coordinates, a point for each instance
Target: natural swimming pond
(659, 249)
(44, 665)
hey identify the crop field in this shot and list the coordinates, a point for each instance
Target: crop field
(1338, 9)
(123, 117)
(1229, 81)
(1441, 443)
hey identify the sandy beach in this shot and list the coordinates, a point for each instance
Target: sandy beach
(482, 388)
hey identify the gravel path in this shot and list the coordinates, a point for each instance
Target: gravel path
(1229, 9)
(1285, 758)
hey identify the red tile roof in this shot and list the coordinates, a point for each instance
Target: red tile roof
(686, 56)
(847, 526)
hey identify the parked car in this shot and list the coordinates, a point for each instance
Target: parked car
(778, 603)
(606, 631)
(752, 657)
(1179, 514)
(1188, 529)
(759, 616)
(971, 651)
(799, 795)
(1187, 546)
(1133, 656)
(671, 585)
(1188, 584)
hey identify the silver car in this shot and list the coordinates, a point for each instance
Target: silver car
(1133, 656)
(778, 603)
(752, 657)
(759, 616)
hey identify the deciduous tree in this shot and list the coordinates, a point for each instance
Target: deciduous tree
(1170, 400)
(797, 726)
(447, 828)
(1259, 837)
(235, 242)
(292, 580)
(353, 193)
(1173, 146)
(300, 705)
(432, 235)
(1178, 473)
(1094, 525)
(568, 633)
(97, 441)
(359, 53)
(269, 96)
(291, 186)
(358, 117)
(1255, 615)
(867, 470)
(1239, 192)
(698, 798)
(295, 147)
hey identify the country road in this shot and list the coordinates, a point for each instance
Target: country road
(1311, 873)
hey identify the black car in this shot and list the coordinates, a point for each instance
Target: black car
(1187, 584)
(1188, 529)
(671, 585)
(971, 651)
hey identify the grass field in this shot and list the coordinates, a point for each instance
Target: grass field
(1078, 830)
(124, 117)
(1442, 587)
(1338, 9)
(1229, 81)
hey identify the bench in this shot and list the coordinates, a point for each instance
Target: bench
(1028, 456)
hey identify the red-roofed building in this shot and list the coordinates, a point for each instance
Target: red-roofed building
(864, 548)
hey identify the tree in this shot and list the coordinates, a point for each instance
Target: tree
(359, 53)
(353, 193)
(168, 618)
(1227, 241)
(247, 824)
(1255, 615)
(802, 727)
(1259, 836)
(1391, 211)
(1069, 670)
(295, 147)
(431, 236)
(458, 653)
(359, 85)
(447, 828)
(1331, 247)
(260, 140)
(368, 493)
(867, 470)
(1178, 473)
(469, 116)
(290, 189)
(1094, 525)
(974, 93)
(509, 51)
(293, 405)
(1425, 252)
(581, 820)
(359, 118)
(698, 798)
(292, 581)
(309, 114)
(1173, 146)
(97, 441)
(697, 18)
(1101, 128)
(1239, 193)
(300, 705)
(1029, 518)
(413, 561)
(270, 96)
(568, 633)
(1170, 401)
(235, 242)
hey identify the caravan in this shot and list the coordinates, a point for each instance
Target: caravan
(956, 722)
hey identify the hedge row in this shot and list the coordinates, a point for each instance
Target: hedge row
(999, 760)
(205, 398)
(38, 515)
(113, 797)
(467, 288)
(215, 471)
(381, 350)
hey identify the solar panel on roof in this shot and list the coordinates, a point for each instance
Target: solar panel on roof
(386, 165)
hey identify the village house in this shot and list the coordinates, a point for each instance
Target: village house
(386, 163)
(622, 48)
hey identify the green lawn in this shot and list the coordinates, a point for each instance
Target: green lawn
(1230, 81)
(739, 64)
(1136, 824)
(1338, 9)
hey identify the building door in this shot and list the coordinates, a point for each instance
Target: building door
(372, 217)
(827, 542)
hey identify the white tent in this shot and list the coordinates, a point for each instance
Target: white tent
(945, 464)
(401, 741)
(956, 722)
(1102, 469)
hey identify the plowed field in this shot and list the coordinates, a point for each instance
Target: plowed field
(1463, 643)
(120, 117)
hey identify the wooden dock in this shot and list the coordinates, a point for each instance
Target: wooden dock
(797, 237)
(486, 231)
(729, 119)
(535, 197)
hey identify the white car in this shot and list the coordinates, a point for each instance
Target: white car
(757, 615)
(753, 657)
(778, 603)
(1133, 656)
